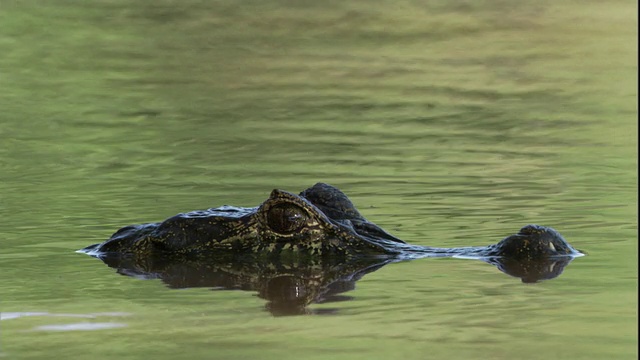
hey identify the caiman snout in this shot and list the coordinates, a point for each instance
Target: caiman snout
(535, 241)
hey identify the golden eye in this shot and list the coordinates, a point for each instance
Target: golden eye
(286, 218)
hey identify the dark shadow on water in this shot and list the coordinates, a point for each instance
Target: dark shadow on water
(289, 288)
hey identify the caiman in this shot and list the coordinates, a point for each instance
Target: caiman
(319, 223)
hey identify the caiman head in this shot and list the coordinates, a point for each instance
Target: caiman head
(534, 242)
(320, 222)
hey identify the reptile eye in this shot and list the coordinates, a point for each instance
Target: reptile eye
(286, 218)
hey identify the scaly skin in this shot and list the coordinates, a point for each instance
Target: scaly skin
(320, 223)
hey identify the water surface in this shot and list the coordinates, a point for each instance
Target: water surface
(447, 123)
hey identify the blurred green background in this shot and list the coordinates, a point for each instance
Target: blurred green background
(448, 123)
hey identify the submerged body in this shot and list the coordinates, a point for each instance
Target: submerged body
(320, 222)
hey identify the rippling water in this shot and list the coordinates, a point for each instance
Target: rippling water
(447, 123)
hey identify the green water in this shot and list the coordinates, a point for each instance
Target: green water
(447, 123)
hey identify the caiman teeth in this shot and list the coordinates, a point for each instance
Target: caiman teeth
(553, 248)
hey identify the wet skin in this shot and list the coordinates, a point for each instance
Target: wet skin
(319, 223)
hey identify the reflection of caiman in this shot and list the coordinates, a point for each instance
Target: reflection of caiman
(288, 287)
(320, 223)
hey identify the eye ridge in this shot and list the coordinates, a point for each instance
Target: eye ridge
(286, 219)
